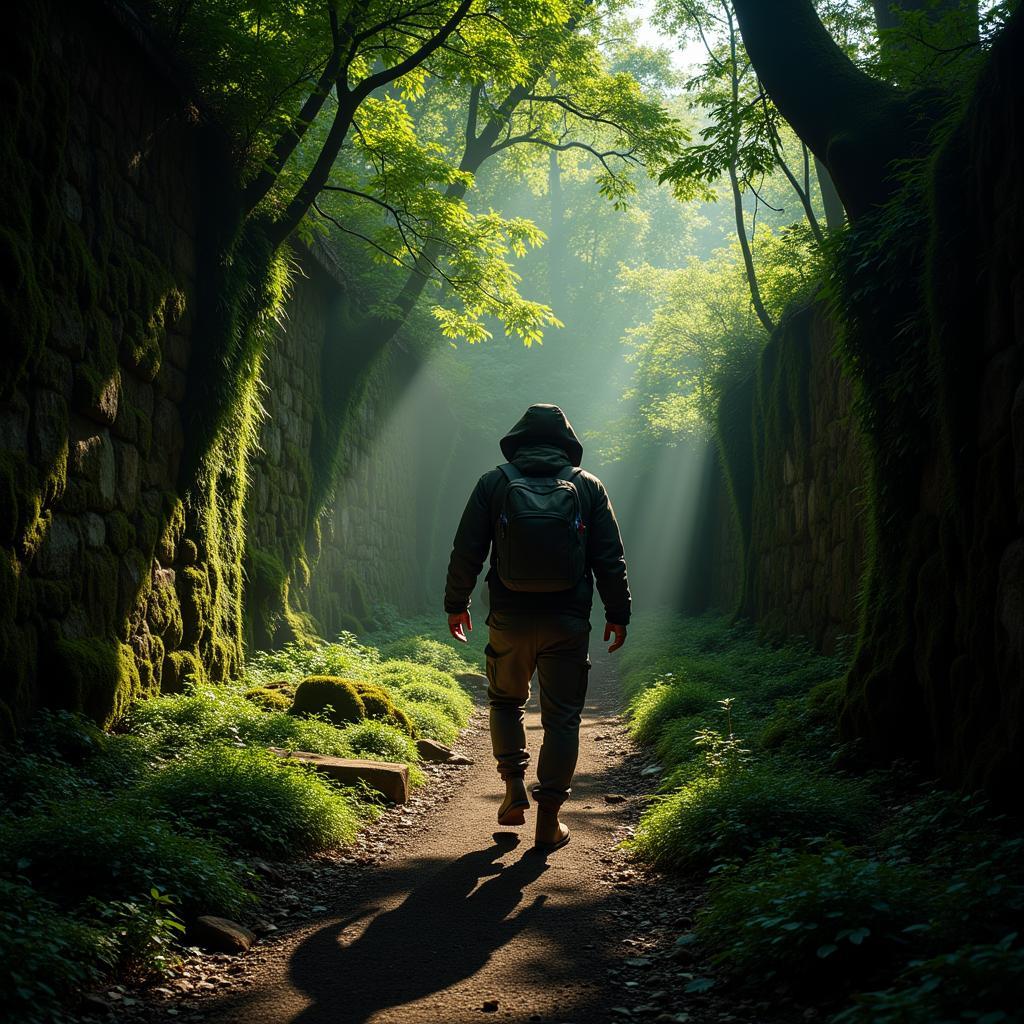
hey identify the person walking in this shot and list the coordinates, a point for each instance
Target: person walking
(550, 531)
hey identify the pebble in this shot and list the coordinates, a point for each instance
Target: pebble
(614, 798)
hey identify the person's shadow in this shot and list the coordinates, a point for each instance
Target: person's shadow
(444, 931)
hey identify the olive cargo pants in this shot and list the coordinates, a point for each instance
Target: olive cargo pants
(558, 652)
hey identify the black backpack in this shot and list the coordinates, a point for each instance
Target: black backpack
(539, 535)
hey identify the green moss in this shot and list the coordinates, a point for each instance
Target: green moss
(196, 604)
(120, 532)
(163, 613)
(181, 669)
(173, 510)
(269, 700)
(95, 675)
(315, 694)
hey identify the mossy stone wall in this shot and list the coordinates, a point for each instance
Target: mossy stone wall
(154, 517)
(97, 281)
(320, 570)
(791, 454)
(892, 497)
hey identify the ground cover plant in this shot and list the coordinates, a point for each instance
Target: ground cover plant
(112, 842)
(876, 894)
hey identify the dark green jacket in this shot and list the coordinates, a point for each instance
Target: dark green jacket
(541, 444)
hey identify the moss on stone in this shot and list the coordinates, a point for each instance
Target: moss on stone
(96, 676)
(120, 532)
(336, 699)
(196, 602)
(269, 700)
(181, 670)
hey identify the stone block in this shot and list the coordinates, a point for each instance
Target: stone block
(61, 548)
(389, 779)
(92, 459)
(94, 530)
(49, 434)
(14, 419)
(126, 458)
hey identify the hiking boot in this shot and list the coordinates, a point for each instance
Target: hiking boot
(551, 833)
(513, 808)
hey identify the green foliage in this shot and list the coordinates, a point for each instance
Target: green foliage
(99, 847)
(652, 710)
(381, 741)
(47, 956)
(977, 983)
(713, 818)
(450, 701)
(427, 651)
(814, 918)
(338, 700)
(253, 801)
(430, 721)
(184, 722)
(345, 657)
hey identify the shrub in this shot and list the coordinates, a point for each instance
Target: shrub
(455, 704)
(807, 919)
(336, 699)
(651, 710)
(424, 650)
(254, 801)
(47, 956)
(726, 816)
(380, 742)
(977, 983)
(185, 721)
(430, 721)
(110, 847)
(402, 673)
(345, 658)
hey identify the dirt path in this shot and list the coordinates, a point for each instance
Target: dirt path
(457, 914)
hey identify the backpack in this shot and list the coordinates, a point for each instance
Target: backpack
(539, 535)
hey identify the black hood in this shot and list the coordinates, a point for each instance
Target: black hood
(543, 424)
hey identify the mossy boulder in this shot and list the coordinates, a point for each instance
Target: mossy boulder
(268, 699)
(337, 699)
(380, 706)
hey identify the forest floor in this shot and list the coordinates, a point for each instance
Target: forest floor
(436, 916)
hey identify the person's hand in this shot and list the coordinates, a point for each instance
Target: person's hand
(620, 635)
(461, 624)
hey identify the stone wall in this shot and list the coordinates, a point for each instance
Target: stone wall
(792, 555)
(127, 563)
(807, 528)
(98, 279)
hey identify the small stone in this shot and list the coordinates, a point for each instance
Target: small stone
(471, 679)
(614, 798)
(221, 935)
(433, 752)
(460, 759)
(638, 961)
(490, 1006)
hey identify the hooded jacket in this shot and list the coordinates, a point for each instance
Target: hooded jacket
(541, 444)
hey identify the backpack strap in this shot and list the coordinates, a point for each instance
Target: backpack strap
(510, 471)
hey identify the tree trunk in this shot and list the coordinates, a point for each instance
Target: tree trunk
(856, 125)
(835, 213)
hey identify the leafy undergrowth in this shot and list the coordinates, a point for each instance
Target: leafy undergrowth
(111, 843)
(876, 895)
